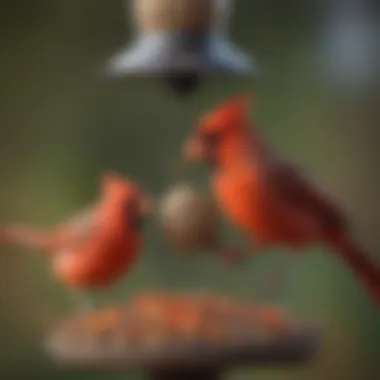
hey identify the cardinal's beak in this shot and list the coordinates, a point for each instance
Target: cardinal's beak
(194, 150)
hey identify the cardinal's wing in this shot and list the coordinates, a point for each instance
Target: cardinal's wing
(299, 193)
(77, 229)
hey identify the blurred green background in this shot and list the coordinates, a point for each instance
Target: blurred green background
(61, 126)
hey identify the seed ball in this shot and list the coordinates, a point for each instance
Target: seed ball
(190, 222)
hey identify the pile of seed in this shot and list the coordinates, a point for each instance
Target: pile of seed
(154, 319)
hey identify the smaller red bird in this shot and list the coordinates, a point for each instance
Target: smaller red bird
(268, 197)
(97, 247)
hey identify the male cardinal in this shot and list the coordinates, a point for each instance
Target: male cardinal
(96, 248)
(268, 197)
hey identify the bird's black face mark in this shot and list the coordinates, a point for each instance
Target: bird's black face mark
(211, 141)
(135, 219)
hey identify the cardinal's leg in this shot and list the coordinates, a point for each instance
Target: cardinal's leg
(83, 301)
(275, 281)
(109, 295)
(236, 254)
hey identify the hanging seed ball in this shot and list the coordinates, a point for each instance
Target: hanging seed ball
(190, 222)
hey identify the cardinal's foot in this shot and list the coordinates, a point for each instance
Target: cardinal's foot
(234, 255)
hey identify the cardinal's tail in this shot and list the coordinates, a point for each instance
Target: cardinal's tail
(364, 267)
(25, 236)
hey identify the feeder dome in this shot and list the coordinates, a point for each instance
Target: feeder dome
(180, 36)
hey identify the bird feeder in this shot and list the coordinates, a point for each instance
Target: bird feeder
(182, 336)
(180, 41)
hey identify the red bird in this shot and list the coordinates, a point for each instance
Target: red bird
(97, 247)
(268, 197)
